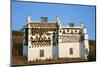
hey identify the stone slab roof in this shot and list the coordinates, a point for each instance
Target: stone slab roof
(43, 24)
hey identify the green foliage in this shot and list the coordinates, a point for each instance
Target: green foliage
(17, 43)
(17, 48)
(92, 53)
(92, 56)
(17, 33)
(92, 42)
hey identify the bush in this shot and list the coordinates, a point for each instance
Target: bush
(92, 56)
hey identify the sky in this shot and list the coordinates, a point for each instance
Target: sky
(67, 12)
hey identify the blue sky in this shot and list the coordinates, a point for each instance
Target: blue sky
(67, 13)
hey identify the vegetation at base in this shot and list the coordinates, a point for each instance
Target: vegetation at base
(92, 42)
(92, 53)
(17, 33)
(92, 56)
(17, 43)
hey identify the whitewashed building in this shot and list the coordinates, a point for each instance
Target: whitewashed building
(50, 40)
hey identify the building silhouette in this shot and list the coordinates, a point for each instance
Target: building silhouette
(50, 40)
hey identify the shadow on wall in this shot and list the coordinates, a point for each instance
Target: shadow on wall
(82, 50)
(55, 47)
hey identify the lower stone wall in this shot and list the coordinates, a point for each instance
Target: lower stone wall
(34, 53)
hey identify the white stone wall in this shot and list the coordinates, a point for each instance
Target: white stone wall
(34, 53)
(64, 50)
(55, 51)
(79, 48)
(82, 50)
(86, 42)
(25, 50)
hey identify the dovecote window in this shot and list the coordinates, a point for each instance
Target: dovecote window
(79, 32)
(71, 51)
(64, 32)
(40, 38)
(31, 38)
(59, 37)
(36, 38)
(75, 31)
(60, 31)
(67, 30)
(44, 38)
(72, 32)
(49, 38)
(41, 53)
